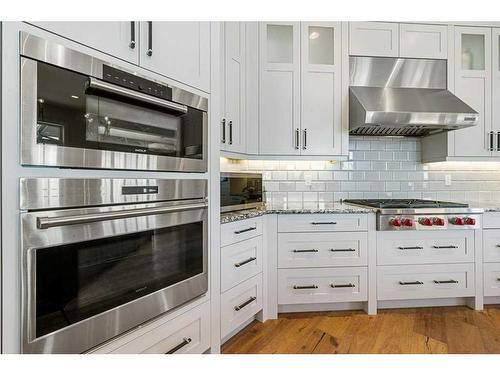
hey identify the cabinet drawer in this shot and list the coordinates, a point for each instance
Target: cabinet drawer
(240, 304)
(491, 245)
(187, 333)
(322, 223)
(425, 281)
(240, 230)
(492, 279)
(240, 261)
(425, 247)
(322, 285)
(491, 220)
(301, 250)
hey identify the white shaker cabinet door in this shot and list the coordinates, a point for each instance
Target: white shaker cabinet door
(321, 117)
(496, 91)
(279, 125)
(178, 50)
(423, 41)
(119, 39)
(374, 39)
(473, 86)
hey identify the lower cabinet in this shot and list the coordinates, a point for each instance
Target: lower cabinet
(491, 254)
(491, 279)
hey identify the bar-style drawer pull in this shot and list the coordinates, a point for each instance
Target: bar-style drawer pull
(242, 263)
(342, 250)
(410, 248)
(305, 287)
(410, 282)
(250, 300)
(305, 250)
(350, 285)
(445, 247)
(445, 282)
(323, 222)
(244, 230)
(178, 347)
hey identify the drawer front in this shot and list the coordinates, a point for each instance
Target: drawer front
(301, 250)
(240, 230)
(425, 247)
(240, 304)
(491, 245)
(188, 333)
(240, 261)
(492, 279)
(425, 281)
(322, 285)
(322, 223)
(491, 220)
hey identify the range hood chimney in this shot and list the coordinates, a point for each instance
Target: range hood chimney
(403, 97)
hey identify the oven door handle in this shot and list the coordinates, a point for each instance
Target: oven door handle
(98, 85)
(49, 222)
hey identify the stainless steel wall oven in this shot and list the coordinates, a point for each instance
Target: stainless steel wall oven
(81, 112)
(102, 256)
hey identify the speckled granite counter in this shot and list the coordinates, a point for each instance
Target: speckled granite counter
(292, 208)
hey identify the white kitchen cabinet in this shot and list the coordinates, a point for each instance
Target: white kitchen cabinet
(374, 39)
(279, 115)
(178, 50)
(321, 102)
(233, 122)
(119, 39)
(495, 77)
(423, 41)
(473, 85)
(252, 87)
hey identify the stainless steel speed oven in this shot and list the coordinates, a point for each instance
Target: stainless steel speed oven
(102, 256)
(239, 191)
(81, 112)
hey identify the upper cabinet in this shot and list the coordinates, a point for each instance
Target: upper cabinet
(178, 50)
(495, 78)
(115, 38)
(423, 41)
(374, 39)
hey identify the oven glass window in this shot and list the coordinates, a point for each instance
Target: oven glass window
(77, 281)
(68, 115)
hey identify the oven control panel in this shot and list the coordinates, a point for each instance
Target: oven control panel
(428, 222)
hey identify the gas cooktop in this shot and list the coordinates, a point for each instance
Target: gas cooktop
(404, 203)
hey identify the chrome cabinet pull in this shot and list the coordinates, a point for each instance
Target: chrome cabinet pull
(230, 132)
(410, 248)
(49, 222)
(341, 250)
(304, 146)
(297, 135)
(323, 222)
(149, 52)
(445, 282)
(445, 247)
(249, 301)
(185, 341)
(223, 130)
(490, 147)
(132, 35)
(242, 263)
(350, 285)
(98, 85)
(244, 230)
(410, 282)
(305, 251)
(305, 287)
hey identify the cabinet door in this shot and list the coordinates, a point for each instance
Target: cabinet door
(178, 50)
(473, 86)
(374, 39)
(234, 86)
(321, 117)
(423, 41)
(496, 90)
(252, 87)
(119, 39)
(279, 125)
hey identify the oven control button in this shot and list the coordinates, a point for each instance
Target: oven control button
(457, 221)
(470, 221)
(395, 222)
(439, 221)
(425, 221)
(408, 222)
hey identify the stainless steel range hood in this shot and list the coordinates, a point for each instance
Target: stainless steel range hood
(403, 97)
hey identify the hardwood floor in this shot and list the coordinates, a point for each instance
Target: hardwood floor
(423, 330)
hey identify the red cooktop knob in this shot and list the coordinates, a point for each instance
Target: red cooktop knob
(395, 222)
(438, 221)
(470, 221)
(425, 221)
(457, 221)
(408, 222)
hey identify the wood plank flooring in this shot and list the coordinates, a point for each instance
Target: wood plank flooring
(424, 330)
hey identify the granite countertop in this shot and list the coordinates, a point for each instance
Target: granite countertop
(487, 206)
(295, 208)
